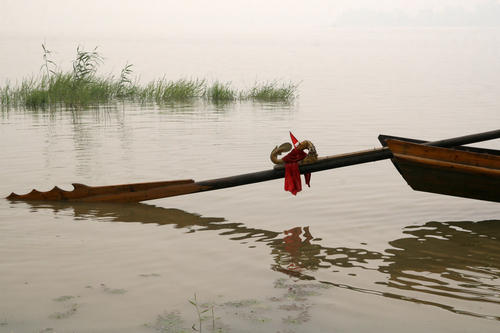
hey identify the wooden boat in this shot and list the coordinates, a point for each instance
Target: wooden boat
(466, 172)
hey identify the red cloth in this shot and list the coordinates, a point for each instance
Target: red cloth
(292, 172)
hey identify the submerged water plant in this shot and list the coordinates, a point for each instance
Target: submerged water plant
(199, 312)
(169, 322)
(82, 87)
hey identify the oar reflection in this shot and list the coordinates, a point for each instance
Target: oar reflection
(447, 260)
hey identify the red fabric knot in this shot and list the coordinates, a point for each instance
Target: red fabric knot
(292, 172)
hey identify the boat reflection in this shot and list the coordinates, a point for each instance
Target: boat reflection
(455, 259)
(433, 262)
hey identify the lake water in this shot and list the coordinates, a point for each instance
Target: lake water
(358, 251)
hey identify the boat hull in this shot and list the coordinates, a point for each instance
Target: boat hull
(454, 172)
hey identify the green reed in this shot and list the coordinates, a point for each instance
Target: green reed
(221, 92)
(272, 91)
(6, 95)
(164, 90)
(62, 89)
(82, 87)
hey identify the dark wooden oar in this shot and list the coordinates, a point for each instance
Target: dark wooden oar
(155, 190)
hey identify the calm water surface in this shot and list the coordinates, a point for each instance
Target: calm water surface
(358, 251)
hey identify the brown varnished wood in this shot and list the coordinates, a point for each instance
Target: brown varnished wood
(154, 190)
(83, 192)
(149, 191)
(451, 166)
(448, 171)
(443, 154)
(148, 194)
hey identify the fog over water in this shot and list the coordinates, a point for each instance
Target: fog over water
(157, 18)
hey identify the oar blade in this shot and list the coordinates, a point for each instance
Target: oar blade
(82, 192)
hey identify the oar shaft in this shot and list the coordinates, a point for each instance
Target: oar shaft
(466, 139)
(242, 179)
(336, 161)
(149, 191)
(325, 163)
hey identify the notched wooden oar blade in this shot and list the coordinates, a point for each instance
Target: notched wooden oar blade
(112, 193)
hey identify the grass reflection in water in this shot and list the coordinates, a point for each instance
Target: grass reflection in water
(435, 263)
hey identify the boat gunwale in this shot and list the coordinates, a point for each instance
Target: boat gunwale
(444, 156)
(384, 138)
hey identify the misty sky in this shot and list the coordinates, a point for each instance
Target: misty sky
(159, 17)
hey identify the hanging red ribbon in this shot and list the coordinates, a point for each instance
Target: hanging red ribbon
(292, 172)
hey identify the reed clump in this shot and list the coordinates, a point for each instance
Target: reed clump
(221, 92)
(273, 91)
(164, 90)
(82, 87)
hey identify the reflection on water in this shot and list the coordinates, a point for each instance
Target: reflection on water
(438, 263)
(453, 259)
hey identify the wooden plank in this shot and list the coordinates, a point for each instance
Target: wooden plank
(455, 144)
(452, 142)
(448, 171)
(444, 154)
(451, 166)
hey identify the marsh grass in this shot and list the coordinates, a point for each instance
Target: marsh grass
(64, 89)
(272, 91)
(221, 92)
(82, 87)
(164, 90)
